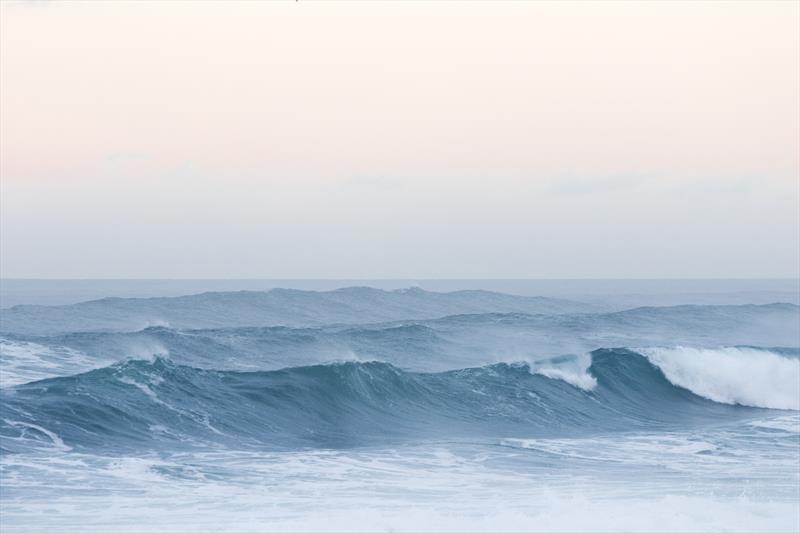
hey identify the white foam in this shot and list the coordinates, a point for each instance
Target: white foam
(788, 424)
(574, 371)
(22, 362)
(411, 489)
(743, 376)
(146, 349)
(54, 439)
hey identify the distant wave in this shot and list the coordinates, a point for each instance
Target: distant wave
(277, 307)
(346, 404)
(430, 345)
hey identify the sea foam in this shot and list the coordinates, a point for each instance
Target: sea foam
(743, 376)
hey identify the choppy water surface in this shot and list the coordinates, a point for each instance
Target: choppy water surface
(456, 411)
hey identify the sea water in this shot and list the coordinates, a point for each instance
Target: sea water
(362, 409)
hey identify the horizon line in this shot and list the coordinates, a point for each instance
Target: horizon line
(705, 278)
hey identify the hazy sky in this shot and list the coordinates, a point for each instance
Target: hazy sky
(389, 139)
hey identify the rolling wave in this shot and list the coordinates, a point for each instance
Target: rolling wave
(163, 405)
(733, 375)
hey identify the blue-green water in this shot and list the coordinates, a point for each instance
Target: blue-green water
(363, 409)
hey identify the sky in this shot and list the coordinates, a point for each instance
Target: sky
(178, 139)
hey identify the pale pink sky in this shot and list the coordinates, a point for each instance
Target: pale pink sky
(390, 139)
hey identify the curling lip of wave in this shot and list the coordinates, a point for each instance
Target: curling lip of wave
(732, 375)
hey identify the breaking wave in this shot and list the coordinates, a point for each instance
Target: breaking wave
(161, 404)
(733, 375)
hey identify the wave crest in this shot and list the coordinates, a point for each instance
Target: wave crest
(732, 375)
(348, 404)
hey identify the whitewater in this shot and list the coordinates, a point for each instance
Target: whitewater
(362, 409)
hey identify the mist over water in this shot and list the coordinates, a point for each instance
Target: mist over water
(398, 410)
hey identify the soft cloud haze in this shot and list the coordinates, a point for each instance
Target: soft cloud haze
(311, 139)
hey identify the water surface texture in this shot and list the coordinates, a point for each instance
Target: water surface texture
(402, 409)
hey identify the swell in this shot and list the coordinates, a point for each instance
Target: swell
(433, 345)
(288, 307)
(162, 405)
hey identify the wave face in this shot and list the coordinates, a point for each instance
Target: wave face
(161, 404)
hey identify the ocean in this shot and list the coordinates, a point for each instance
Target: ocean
(606, 405)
